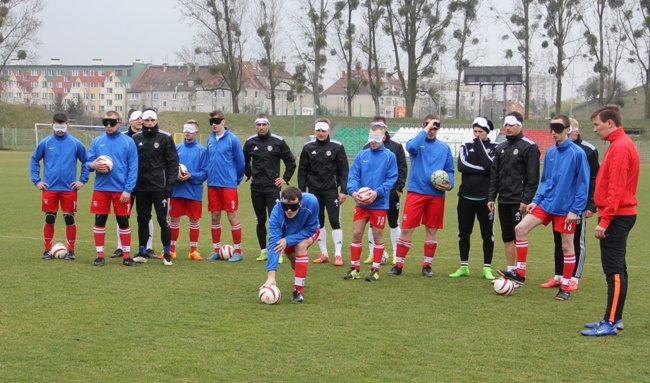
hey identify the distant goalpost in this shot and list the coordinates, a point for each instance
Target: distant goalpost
(85, 133)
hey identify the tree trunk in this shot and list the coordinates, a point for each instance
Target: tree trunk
(646, 88)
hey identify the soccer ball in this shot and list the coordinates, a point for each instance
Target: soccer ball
(439, 177)
(182, 169)
(107, 161)
(364, 192)
(503, 286)
(270, 295)
(59, 250)
(226, 252)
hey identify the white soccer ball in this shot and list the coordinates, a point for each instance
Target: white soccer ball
(182, 169)
(59, 250)
(226, 252)
(503, 286)
(106, 160)
(364, 192)
(439, 177)
(270, 295)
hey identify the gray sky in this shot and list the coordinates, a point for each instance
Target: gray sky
(82, 30)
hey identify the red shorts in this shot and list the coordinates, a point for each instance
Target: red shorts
(222, 199)
(179, 207)
(314, 238)
(559, 222)
(50, 201)
(101, 203)
(421, 208)
(377, 218)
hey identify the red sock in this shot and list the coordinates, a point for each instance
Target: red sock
(236, 237)
(71, 235)
(403, 247)
(429, 252)
(195, 230)
(355, 254)
(216, 236)
(300, 273)
(100, 233)
(377, 254)
(567, 270)
(176, 231)
(125, 238)
(48, 234)
(522, 254)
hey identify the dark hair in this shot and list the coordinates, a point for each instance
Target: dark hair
(323, 119)
(112, 114)
(217, 114)
(517, 115)
(131, 112)
(431, 117)
(290, 193)
(609, 112)
(379, 118)
(564, 118)
(60, 118)
(145, 109)
(263, 115)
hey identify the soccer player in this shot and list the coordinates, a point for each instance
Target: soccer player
(425, 203)
(262, 155)
(395, 194)
(615, 198)
(135, 125)
(187, 196)
(374, 168)
(323, 170)
(293, 227)
(474, 163)
(59, 153)
(561, 197)
(579, 244)
(225, 172)
(157, 174)
(514, 177)
(113, 187)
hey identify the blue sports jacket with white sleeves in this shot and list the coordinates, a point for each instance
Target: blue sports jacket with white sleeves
(195, 158)
(59, 155)
(376, 169)
(121, 148)
(294, 230)
(427, 156)
(564, 186)
(225, 160)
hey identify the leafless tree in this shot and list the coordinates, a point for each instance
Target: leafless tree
(19, 24)
(268, 27)
(373, 16)
(467, 10)
(346, 35)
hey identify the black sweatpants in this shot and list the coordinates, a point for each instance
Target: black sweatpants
(143, 203)
(613, 249)
(263, 203)
(328, 200)
(466, 211)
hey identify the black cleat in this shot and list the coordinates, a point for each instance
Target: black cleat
(149, 253)
(562, 295)
(69, 256)
(47, 255)
(297, 297)
(99, 261)
(395, 271)
(118, 253)
(373, 276)
(427, 272)
(513, 276)
(129, 262)
(352, 274)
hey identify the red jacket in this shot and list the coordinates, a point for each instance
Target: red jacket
(617, 179)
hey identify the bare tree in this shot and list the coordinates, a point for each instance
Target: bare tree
(267, 26)
(635, 20)
(346, 33)
(416, 28)
(467, 10)
(522, 25)
(220, 38)
(605, 42)
(560, 16)
(368, 43)
(19, 24)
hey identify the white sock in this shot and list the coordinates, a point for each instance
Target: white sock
(371, 241)
(150, 241)
(337, 238)
(322, 240)
(119, 241)
(394, 236)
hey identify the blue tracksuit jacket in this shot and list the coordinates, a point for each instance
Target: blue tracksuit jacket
(376, 169)
(59, 155)
(195, 157)
(427, 156)
(121, 148)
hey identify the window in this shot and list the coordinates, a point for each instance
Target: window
(44, 96)
(86, 84)
(245, 94)
(155, 96)
(34, 72)
(92, 108)
(34, 96)
(85, 96)
(34, 84)
(66, 78)
(85, 72)
(92, 72)
(109, 102)
(118, 96)
(164, 103)
(256, 94)
(134, 96)
(75, 73)
(109, 78)
(101, 84)
(43, 84)
(128, 72)
(100, 73)
(50, 72)
(92, 84)
(59, 84)
(101, 96)
(59, 72)
(76, 84)
(223, 93)
(118, 72)
(173, 96)
(51, 84)
(92, 96)
(66, 90)
(128, 85)
(101, 108)
(109, 90)
(118, 85)
(118, 108)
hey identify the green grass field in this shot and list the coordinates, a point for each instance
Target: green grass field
(63, 321)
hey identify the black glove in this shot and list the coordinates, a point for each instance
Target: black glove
(168, 191)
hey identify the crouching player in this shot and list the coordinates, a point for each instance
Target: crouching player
(293, 227)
